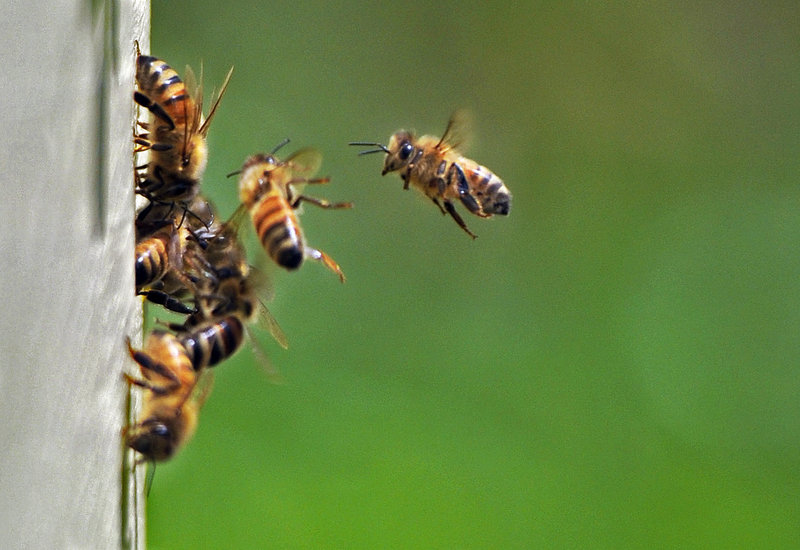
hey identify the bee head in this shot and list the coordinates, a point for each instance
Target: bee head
(154, 438)
(399, 152)
(195, 157)
(262, 160)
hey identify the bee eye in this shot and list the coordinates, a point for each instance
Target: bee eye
(406, 150)
(160, 430)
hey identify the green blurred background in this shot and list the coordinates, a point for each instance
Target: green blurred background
(613, 365)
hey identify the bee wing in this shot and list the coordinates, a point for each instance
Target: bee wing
(194, 88)
(458, 134)
(264, 318)
(304, 162)
(261, 357)
(231, 228)
(266, 321)
(204, 128)
(233, 223)
(202, 387)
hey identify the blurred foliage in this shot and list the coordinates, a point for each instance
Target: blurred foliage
(613, 365)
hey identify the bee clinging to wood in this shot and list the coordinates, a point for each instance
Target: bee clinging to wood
(176, 137)
(172, 400)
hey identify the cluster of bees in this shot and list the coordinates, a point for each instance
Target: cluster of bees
(195, 265)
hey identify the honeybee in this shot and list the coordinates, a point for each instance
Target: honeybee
(212, 342)
(172, 403)
(158, 269)
(162, 238)
(156, 254)
(267, 191)
(226, 297)
(435, 167)
(177, 135)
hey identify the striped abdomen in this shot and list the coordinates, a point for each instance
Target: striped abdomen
(278, 230)
(152, 260)
(160, 84)
(213, 343)
(489, 190)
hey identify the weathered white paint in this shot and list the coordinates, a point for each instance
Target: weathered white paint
(66, 272)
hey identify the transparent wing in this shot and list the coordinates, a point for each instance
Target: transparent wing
(304, 162)
(266, 321)
(194, 88)
(203, 386)
(273, 374)
(459, 131)
(204, 128)
(234, 223)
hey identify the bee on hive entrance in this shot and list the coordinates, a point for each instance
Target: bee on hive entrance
(226, 294)
(172, 400)
(176, 137)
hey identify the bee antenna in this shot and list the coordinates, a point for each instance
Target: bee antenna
(281, 144)
(381, 148)
(235, 172)
(151, 474)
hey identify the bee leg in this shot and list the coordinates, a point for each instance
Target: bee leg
(437, 203)
(177, 327)
(145, 384)
(147, 363)
(406, 177)
(322, 203)
(206, 224)
(472, 205)
(320, 256)
(168, 301)
(157, 110)
(142, 216)
(142, 143)
(160, 146)
(452, 211)
(464, 191)
(310, 181)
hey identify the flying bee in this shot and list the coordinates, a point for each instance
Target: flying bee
(267, 190)
(177, 135)
(435, 167)
(172, 403)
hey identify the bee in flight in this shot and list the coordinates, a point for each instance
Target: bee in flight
(177, 135)
(435, 167)
(267, 189)
(172, 403)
